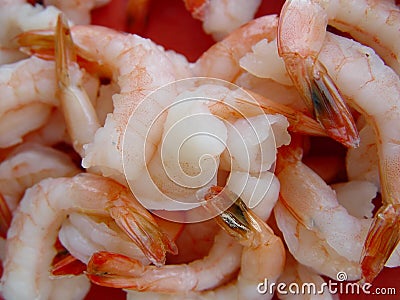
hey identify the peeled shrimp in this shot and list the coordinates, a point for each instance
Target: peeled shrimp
(314, 224)
(21, 170)
(28, 87)
(135, 66)
(263, 257)
(362, 163)
(227, 60)
(83, 235)
(52, 133)
(154, 155)
(213, 270)
(302, 29)
(220, 17)
(301, 32)
(42, 210)
(375, 81)
(222, 59)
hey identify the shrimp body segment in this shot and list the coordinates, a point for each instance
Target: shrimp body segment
(20, 170)
(29, 248)
(23, 96)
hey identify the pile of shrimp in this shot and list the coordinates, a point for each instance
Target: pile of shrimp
(272, 158)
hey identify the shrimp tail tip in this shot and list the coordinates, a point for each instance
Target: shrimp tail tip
(112, 270)
(148, 236)
(330, 109)
(381, 240)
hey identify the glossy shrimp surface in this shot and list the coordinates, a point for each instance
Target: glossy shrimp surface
(104, 133)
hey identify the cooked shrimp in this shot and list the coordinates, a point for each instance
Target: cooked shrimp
(52, 133)
(29, 88)
(301, 32)
(21, 170)
(156, 156)
(341, 57)
(220, 17)
(313, 223)
(362, 163)
(77, 11)
(222, 59)
(42, 210)
(216, 268)
(135, 67)
(83, 235)
(17, 17)
(74, 288)
(263, 257)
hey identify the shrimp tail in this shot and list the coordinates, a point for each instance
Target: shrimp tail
(382, 239)
(322, 96)
(39, 43)
(113, 270)
(298, 121)
(331, 110)
(237, 220)
(147, 235)
(74, 100)
(68, 265)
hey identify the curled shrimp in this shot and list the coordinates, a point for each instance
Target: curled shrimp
(43, 209)
(136, 69)
(310, 217)
(23, 96)
(21, 170)
(263, 256)
(223, 60)
(376, 81)
(29, 88)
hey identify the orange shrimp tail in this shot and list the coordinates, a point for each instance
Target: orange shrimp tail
(298, 121)
(145, 233)
(382, 239)
(113, 270)
(5, 217)
(331, 110)
(68, 265)
(39, 43)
